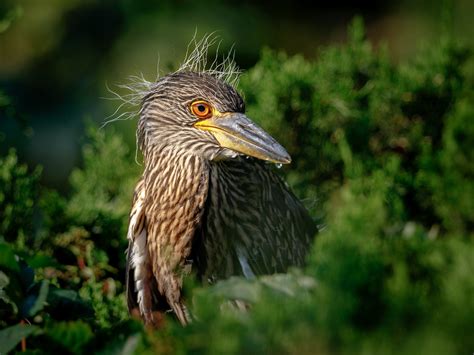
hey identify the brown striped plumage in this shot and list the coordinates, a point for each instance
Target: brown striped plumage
(200, 204)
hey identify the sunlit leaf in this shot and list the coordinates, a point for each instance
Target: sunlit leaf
(237, 288)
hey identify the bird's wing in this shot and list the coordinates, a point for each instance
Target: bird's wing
(139, 276)
(253, 225)
(160, 242)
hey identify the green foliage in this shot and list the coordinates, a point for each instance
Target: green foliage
(72, 336)
(18, 194)
(386, 149)
(63, 274)
(353, 99)
(365, 290)
(102, 189)
(453, 188)
(11, 336)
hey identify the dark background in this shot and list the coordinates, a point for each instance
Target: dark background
(57, 57)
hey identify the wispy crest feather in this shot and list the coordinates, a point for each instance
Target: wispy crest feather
(196, 60)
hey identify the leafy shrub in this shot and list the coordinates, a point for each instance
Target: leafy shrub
(18, 195)
(66, 281)
(353, 99)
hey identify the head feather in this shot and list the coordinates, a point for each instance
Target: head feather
(196, 60)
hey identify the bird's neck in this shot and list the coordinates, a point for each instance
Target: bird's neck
(176, 185)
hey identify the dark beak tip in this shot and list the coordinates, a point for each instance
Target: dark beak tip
(285, 158)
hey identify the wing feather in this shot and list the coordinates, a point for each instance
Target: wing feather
(139, 281)
(254, 224)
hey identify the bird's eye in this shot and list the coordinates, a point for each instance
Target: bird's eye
(201, 109)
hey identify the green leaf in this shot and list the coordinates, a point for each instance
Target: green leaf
(41, 260)
(7, 258)
(289, 284)
(71, 335)
(4, 282)
(35, 299)
(237, 288)
(127, 346)
(11, 336)
(41, 299)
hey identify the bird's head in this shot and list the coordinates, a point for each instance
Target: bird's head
(202, 115)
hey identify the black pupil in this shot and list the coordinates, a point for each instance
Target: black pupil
(201, 108)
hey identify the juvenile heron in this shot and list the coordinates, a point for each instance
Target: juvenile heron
(207, 201)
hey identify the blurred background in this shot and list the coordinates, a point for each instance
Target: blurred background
(58, 57)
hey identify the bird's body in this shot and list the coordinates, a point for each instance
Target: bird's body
(200, 204)
(253, 224)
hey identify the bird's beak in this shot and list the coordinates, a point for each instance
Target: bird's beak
(236, 132)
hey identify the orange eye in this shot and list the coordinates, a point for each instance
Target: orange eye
(201, 109)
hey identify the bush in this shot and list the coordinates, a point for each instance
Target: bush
(352, 99)
(65, 276)
(18, 195)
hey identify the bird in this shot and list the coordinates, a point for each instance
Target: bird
(209, 201)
